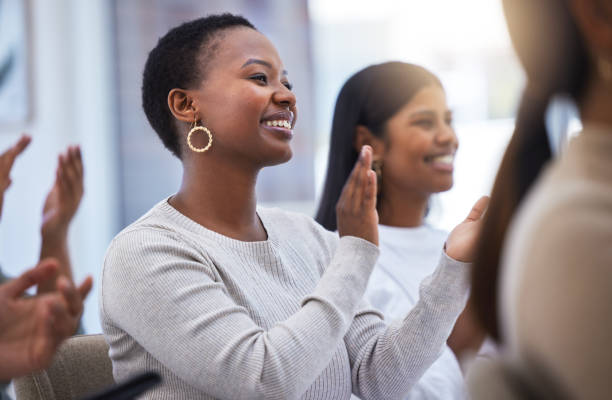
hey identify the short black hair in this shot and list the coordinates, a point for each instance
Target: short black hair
(177, 62)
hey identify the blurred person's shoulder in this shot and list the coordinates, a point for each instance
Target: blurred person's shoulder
(563, 225)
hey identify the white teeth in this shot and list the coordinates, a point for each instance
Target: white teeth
(281, 123)
(446, 159)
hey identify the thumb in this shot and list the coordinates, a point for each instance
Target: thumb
(17, 149)
(478, 209)
(85, 287)
(46, 269)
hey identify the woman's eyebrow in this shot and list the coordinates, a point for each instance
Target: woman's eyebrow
(423, 113)
(261, 62)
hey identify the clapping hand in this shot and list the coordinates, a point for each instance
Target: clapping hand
(64, 197)
(31, 328)
(356, 208)
(7, 159)
(461, 242)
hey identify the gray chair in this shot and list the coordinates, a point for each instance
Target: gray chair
(80, 367)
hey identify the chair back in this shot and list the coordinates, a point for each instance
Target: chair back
(80, 367)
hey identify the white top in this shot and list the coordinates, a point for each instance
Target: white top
(282, 318)
(407, 256)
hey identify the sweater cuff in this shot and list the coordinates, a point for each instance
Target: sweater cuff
(453, 277)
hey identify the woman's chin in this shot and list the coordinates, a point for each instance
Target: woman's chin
(443, 186)
(279, 157)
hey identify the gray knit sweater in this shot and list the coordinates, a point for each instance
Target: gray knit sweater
(277, 319)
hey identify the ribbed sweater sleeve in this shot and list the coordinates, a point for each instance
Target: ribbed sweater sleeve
(388, 360)
(166, 295)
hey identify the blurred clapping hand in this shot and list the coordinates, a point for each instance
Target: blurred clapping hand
(7, 159)
(64, 197)
(31, 328)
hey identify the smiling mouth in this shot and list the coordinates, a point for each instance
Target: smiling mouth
(441, 163)
(281, 123)
(441, 159)
(281, 128)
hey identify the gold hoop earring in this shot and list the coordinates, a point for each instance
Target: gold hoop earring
(195, 128)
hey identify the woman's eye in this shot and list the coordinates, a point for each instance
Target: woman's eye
(425, 123)
(260, 78)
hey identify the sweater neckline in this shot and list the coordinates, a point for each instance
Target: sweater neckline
(183, 220)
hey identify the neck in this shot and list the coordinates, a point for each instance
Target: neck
(220, 197)
(402, 208)
(595, 104)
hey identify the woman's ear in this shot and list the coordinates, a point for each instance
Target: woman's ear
(182, 105)
(364, 136)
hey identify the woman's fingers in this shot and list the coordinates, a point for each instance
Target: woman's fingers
(46, 269)
(69, 176)
(74, 296)
(85, 287)
(7, 159)
(21, 145)
(77, 162)
(348, 190)
(71, 171)
(478, 209)
(10, 154)
(362, 199)
(370, 191)
(64, 320)
(356, 208)
(352, 196)
(358, 182)
(71, 295)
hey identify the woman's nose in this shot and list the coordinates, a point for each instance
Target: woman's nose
(285, 97)
(446, 136)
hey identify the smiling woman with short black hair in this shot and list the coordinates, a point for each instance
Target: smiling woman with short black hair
(229, 301)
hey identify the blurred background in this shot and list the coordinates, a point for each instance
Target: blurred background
(70, 72)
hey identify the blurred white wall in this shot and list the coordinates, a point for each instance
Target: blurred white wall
(72, 102)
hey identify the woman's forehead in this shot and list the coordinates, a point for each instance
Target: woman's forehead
(239, 45)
